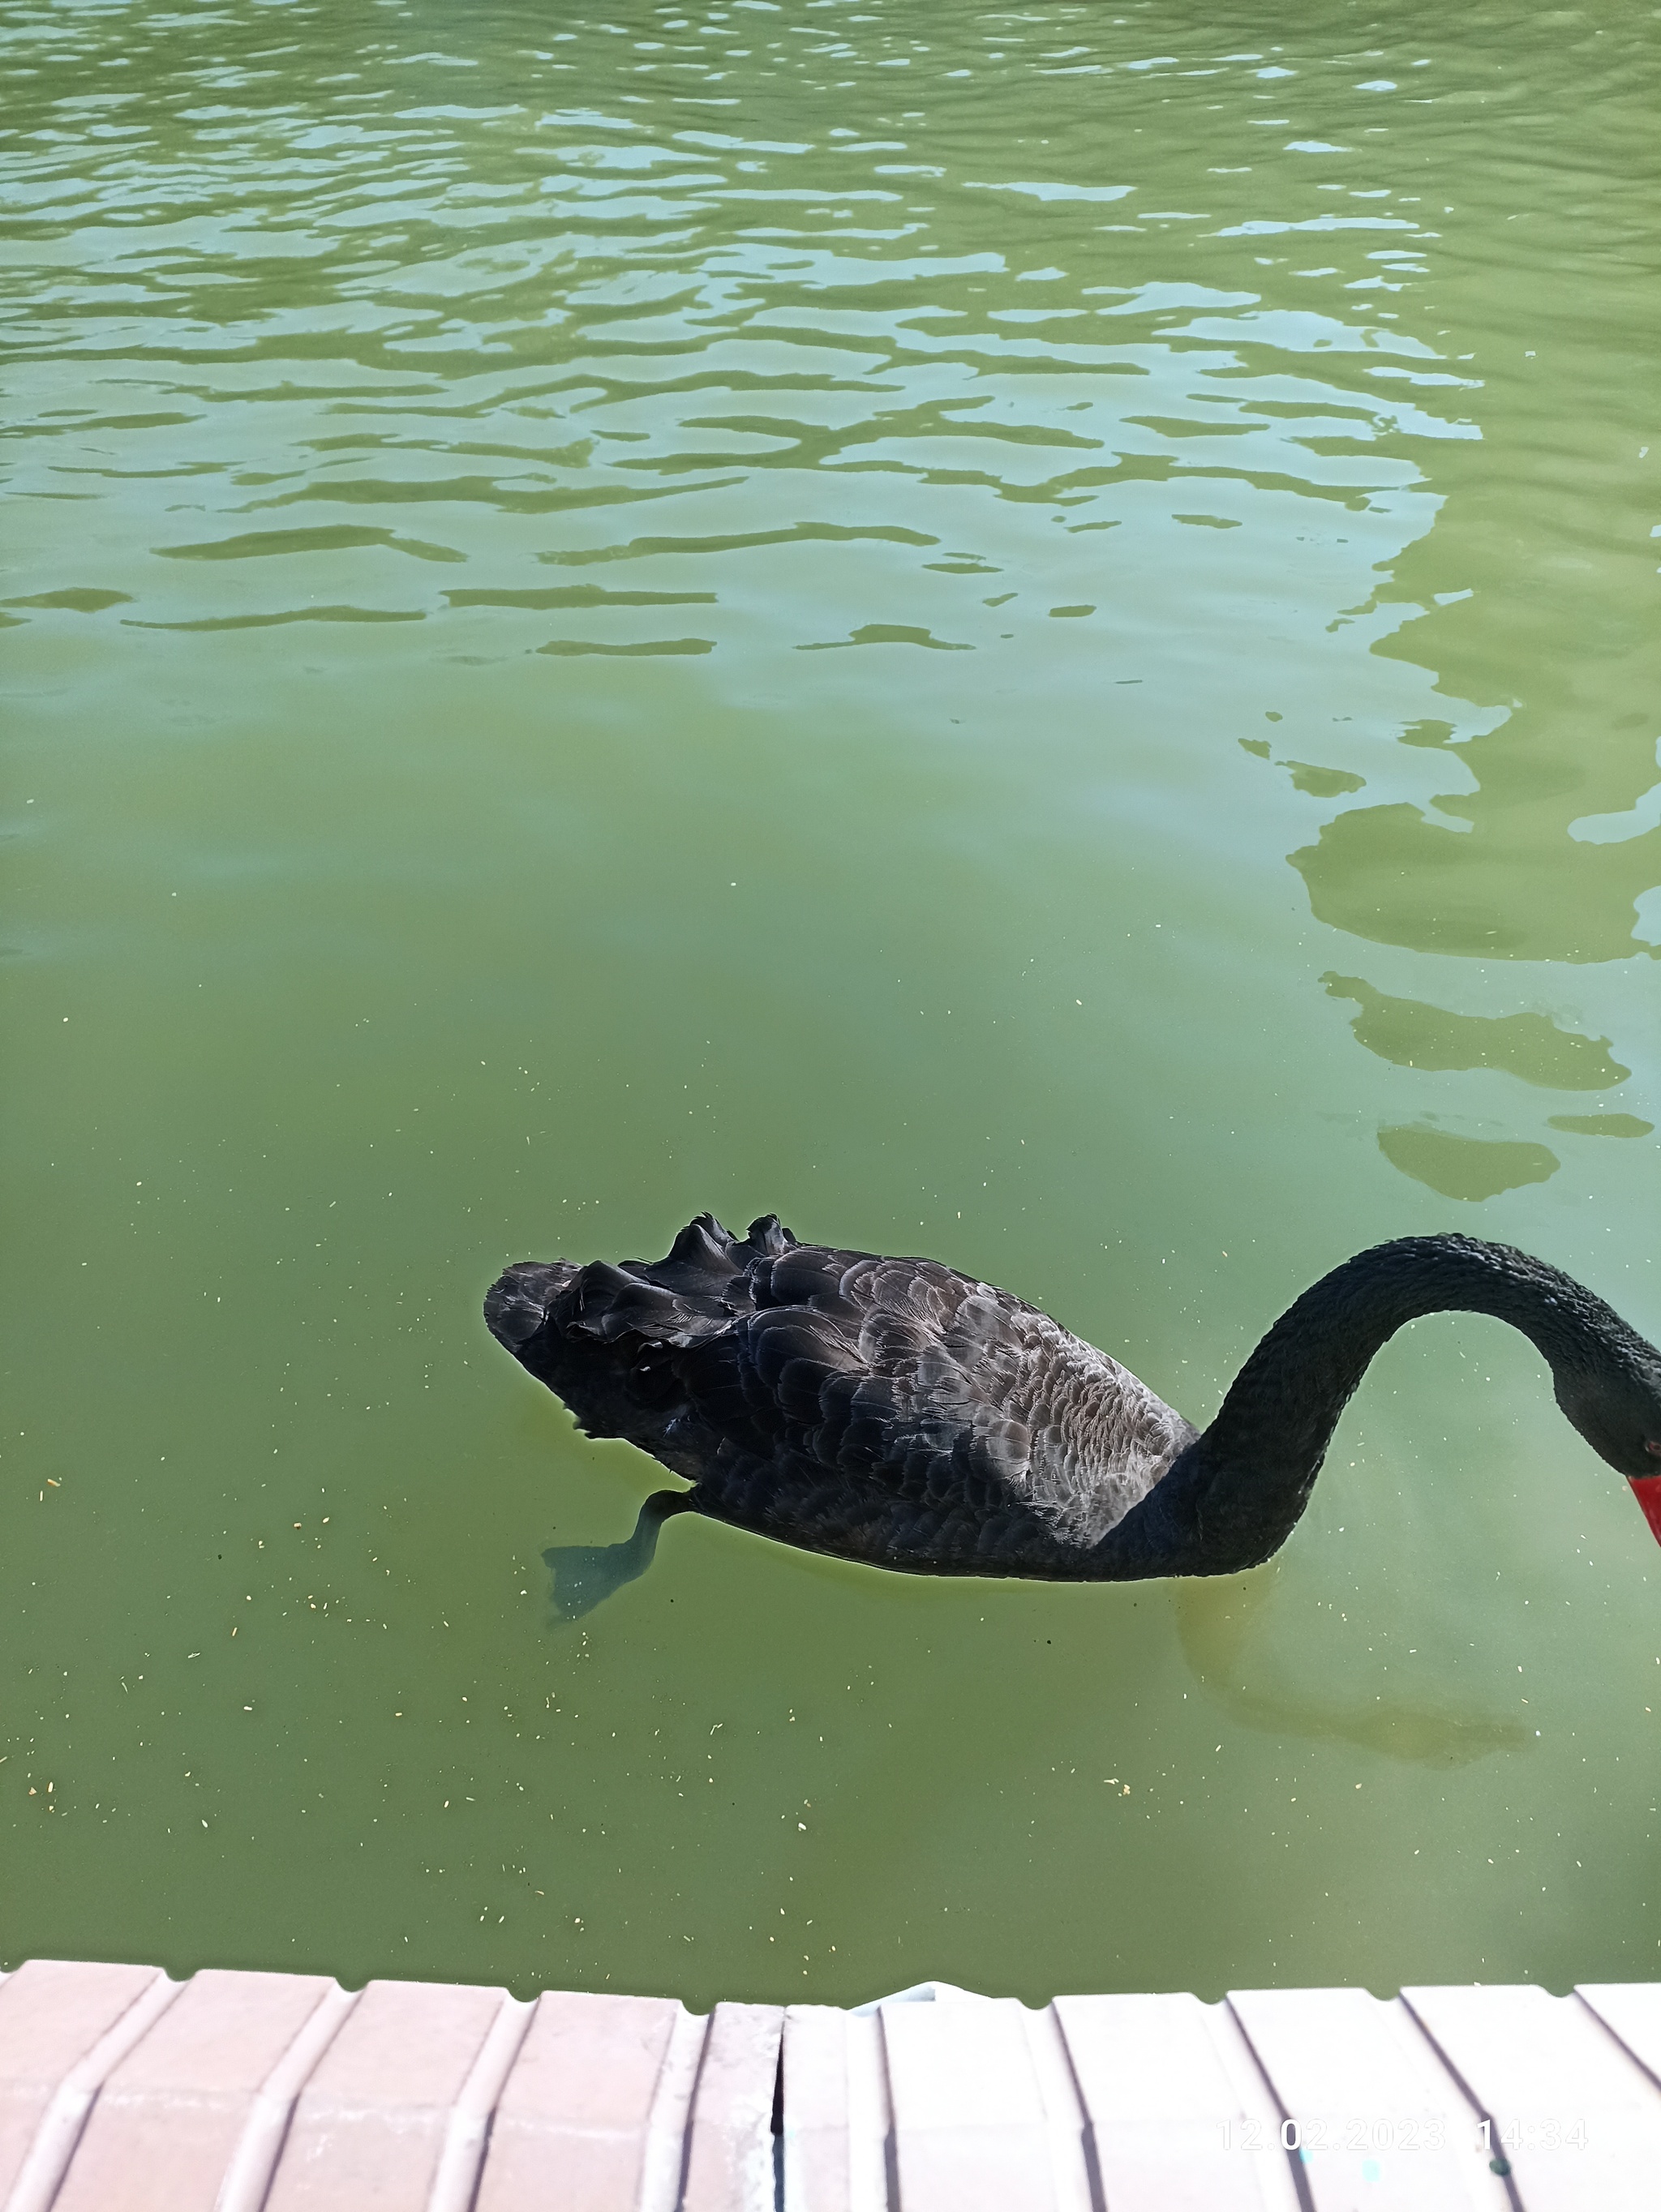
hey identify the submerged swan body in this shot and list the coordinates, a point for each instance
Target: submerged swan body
(897, 1413)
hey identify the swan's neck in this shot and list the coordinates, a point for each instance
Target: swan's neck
(1232, 1497)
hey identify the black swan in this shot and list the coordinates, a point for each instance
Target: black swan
(897, 1412)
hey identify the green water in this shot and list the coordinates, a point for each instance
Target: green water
(1026, 635)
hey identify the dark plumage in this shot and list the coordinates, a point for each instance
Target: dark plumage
(895, 1411)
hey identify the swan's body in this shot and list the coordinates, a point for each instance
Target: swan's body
(897, 1412)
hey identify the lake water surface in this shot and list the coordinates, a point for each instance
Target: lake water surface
(1027, 635)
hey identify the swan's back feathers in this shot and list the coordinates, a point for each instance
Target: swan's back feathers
(884, 1409)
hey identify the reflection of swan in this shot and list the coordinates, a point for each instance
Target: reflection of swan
(1213, 1622)
(894, 1411)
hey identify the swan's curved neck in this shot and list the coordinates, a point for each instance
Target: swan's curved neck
(1232, 1497)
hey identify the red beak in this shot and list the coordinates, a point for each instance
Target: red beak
(1646, 1489)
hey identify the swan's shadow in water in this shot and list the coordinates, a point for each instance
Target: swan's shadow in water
(1214, 1619)
(582, 1576)
(1214, 1623)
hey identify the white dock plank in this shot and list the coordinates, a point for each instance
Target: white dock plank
(59, 2137)
(1066, 2126)
(455, 2184)
(579, 2102)
(54, 2015)
(970, 2124)
(1577, 2118)
(1377, 2115)
(1632, 2011)
(729, 2151)
(371, 2126)
(837, 2116)
(169, 2120)
(248, 2177)
(1179, 2119)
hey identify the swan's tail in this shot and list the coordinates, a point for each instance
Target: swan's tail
(604, 1338)
(675, 1300)
(517, 1303)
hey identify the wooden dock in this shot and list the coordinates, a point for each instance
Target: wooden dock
(122, 2091)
